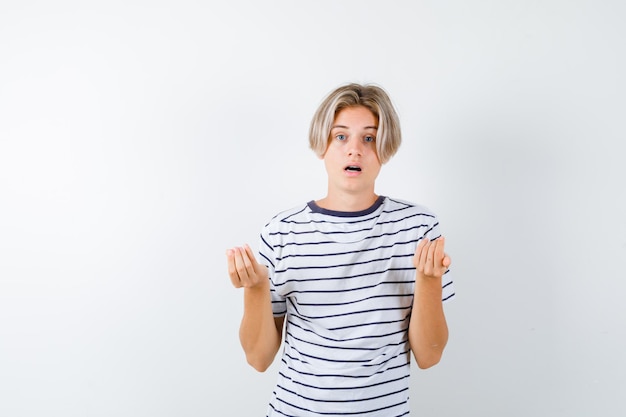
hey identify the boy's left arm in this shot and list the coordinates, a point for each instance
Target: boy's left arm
(428, 330)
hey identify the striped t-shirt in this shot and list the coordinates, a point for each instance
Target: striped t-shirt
(344, 282)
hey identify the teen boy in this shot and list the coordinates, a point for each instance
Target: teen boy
(359, 278)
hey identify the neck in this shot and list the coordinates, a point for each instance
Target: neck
(347, 202)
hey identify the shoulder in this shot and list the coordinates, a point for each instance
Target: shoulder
(409, 215)
(397, 205)
(292, 215)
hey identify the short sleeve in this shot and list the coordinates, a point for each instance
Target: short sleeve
(268, 258)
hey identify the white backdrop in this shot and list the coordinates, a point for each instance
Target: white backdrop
(139, 140)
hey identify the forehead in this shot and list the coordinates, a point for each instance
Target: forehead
(355, 116)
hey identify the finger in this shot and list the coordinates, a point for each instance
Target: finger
(232, 269)
(442, 261)
(429, 267)
(240, 265)
(418, 253)
(249, 261)
(419, 248)
(439, 251)
(424, 254)
(446, 261)
(251, 257)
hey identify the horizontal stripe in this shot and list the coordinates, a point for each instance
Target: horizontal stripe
(324, 376)
(358, 300)
(363, 362)
(350, 413)
(296, 268)
(326, 242)
(345, 286)
(376, 397)
(401, 331)
(378, 284)
(341, 277)
(354, 387)
(373, 348)
(351, 252)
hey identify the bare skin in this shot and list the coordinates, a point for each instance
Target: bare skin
(428, 330)
(352, 142)
(352, 166)
(260, 333)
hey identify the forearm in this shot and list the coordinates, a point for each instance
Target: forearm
(258, 333)
(428, 330)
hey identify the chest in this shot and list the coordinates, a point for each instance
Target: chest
(345, 274)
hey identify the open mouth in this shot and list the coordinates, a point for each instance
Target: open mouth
(353, 168)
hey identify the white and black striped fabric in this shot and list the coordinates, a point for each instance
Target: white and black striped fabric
(344, 281)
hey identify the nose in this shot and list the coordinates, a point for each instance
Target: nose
(355, 148)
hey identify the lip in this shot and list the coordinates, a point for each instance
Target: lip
(353, 164)
(353, 173)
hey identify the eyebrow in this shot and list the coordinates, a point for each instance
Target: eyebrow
(346, 127)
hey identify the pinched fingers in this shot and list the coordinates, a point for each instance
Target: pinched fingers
(430, 258)
(243, 269)
(426, 263)
(238, 272)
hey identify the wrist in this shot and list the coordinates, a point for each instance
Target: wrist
(259, 287)
(427, 283)
(420, 276)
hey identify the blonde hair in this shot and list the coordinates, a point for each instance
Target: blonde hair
(372, 97)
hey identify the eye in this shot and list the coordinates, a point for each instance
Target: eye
(369, 138)
(340, 137)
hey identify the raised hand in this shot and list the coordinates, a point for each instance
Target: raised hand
(430, 260)
(244, 270)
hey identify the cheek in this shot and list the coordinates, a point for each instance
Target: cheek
(374, 153)
(328, 161)
(376, 162)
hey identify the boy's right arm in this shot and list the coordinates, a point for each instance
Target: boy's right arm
(260, 332)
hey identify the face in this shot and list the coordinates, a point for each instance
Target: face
(351, 160)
